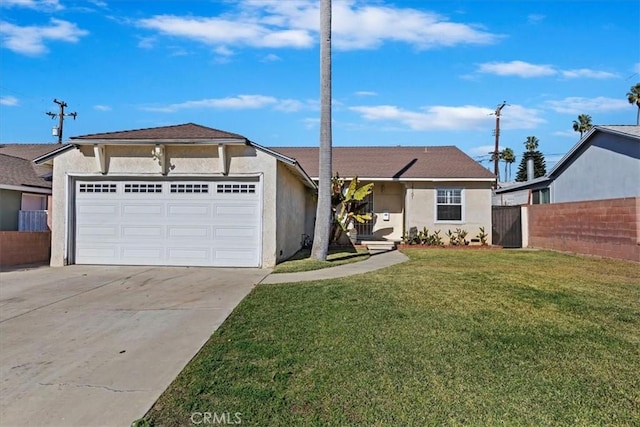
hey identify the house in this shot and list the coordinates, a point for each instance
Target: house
(193, 195)
(589, 203)
(439, 188)
(25, 188)
(604, 164)
(184, 195)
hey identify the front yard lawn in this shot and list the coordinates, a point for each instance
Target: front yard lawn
(301, 261)
(448, 338)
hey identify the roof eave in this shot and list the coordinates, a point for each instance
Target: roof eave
(287, 160)
(46, 157)
(181, 141)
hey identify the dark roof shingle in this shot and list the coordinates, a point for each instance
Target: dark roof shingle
(392, 162)
(21, 172)
(189, 131)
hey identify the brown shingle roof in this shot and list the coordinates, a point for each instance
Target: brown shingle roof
(190, 131)
(27, 151)
(21, 172)
(392, 162)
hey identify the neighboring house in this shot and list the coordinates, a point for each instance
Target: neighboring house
(25, 187)
(177, 195)
(439, 188)
(604, 164)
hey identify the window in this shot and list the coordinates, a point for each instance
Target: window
(540, 197)
(97, 188)
(189, 188)
(143, 188)
(236, 188)
(449, 204)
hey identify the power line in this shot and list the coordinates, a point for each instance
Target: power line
(61, 115)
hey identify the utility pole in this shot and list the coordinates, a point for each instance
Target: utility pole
(61, 115)
(496, 151)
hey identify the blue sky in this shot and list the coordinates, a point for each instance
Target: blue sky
(404, 72)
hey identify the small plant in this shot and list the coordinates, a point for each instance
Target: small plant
(415, 237)
(482, 236)
(458, 237)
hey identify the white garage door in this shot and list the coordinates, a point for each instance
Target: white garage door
(182, 223)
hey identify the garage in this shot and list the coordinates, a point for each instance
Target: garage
(178, 195)
(182, 222)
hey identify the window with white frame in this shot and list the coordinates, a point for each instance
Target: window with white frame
(449, 204)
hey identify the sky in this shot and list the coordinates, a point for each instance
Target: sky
(406, 72)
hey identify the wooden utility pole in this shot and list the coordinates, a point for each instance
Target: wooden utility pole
(496, 151)
(61, 115)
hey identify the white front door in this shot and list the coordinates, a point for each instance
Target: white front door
(181, 223)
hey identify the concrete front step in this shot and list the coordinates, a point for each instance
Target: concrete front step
(377, 246)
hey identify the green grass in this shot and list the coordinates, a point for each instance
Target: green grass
(448, 338)
(336, 256)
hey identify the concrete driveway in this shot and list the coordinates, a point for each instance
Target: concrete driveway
(97, 345)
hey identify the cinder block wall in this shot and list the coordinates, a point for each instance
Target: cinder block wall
(24, 247)
(608, 228)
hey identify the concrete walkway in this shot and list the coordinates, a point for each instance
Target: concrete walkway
(375, 262)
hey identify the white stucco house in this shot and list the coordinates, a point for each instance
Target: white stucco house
(189, 195)
(183, 195)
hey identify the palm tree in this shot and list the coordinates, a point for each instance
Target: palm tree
(531, 144)
(633, 96)
(583, 124)
(322, 230)
(509, 157)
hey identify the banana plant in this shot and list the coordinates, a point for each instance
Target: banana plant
(348, 206)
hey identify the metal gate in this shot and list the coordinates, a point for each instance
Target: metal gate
(506, 226)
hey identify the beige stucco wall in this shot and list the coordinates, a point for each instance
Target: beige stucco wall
(421, 209)
(196, 161)
(291, 217)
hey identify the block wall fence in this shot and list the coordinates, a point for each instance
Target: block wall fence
(608, 228)
(24, 247)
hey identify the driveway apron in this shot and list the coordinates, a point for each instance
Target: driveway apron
(97, 345)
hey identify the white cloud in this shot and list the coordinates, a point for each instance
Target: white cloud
(220, 31)
(223, 51)
(31, 40)
(366, 93)
(587, 73)
(636, 67)
(516, 68)
(240, 102)
(466, 117)
(9, 101)
(483, 150)
(580, 105)
(102, 108)
(41, 5)
(146, 42)
(294, 24)
(535, 18)
(271, 58)
(526, 70)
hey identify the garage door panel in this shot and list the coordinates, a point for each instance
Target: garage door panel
(145, 232)
(143, 253)
(168, 223)
(177, 232)
(98, 231)
(181, 210)
(142, 209)
(235, 258)
(98, 209)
